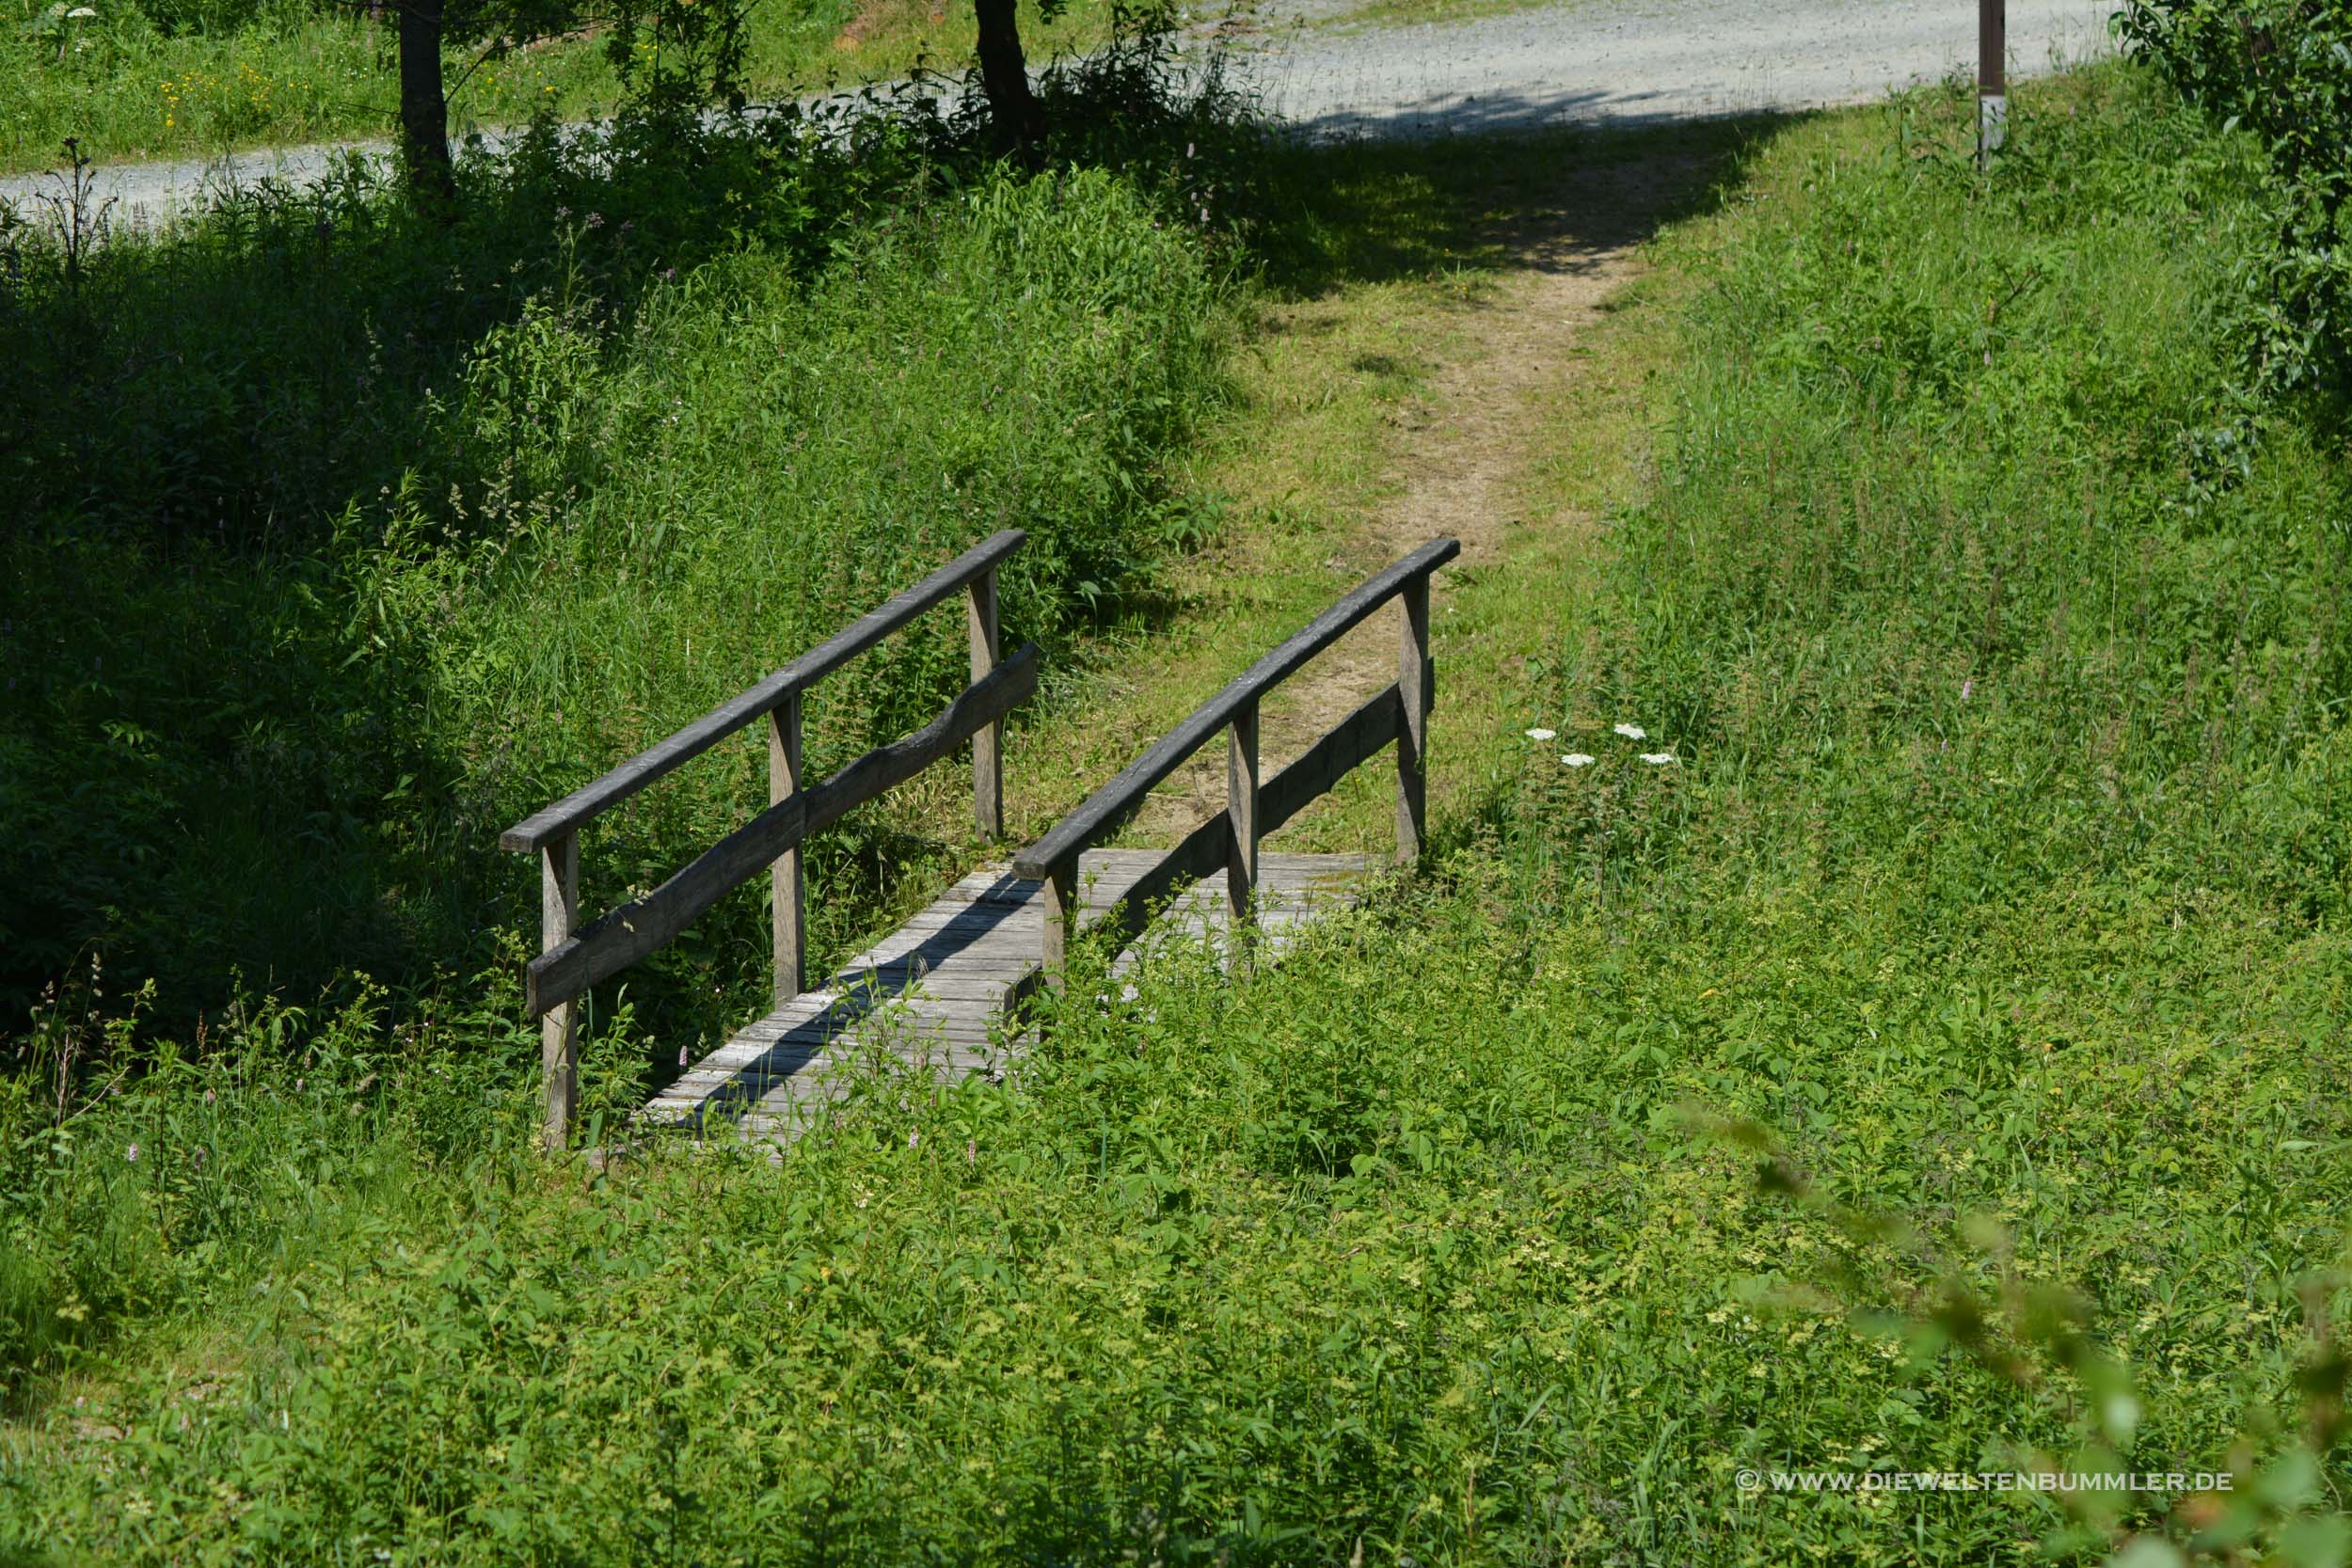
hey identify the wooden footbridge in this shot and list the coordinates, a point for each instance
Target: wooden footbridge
(936, 991)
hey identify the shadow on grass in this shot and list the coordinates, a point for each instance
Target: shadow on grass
(1376, 210)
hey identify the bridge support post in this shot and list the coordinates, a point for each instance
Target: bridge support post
(559, 1038)
(988, 747)
(1416, 685)
(1241, 813)
(788, 892)
(1060, 910)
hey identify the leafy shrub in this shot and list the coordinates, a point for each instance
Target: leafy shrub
(2282, 69)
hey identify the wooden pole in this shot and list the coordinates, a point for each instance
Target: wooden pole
(1059, 905)
(1241, 812)
(1992, 78)
(559, 1040)
(788, 892)
(1416, 684)
(988, 747)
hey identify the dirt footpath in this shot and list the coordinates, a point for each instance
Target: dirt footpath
(1458, 458)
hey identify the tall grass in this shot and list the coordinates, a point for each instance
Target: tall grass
(351, 539)
(1935, 574)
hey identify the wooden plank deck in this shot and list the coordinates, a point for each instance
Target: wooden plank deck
(935, 992)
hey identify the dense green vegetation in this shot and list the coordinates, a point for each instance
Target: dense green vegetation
(194, 78)
(1995, 893)
(328, 513)
(2279, 68)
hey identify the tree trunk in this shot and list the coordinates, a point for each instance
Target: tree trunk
(423, 106)
(1013, 109)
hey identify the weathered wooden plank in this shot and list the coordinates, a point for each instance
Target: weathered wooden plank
(1203, 854)
(886, 972)
(957, 984)
(567, 814)
(987, 745)
(974, 916)
(1208, 849)
(1058, 896)
(559, 1038)
(783, 1074)
(788, 893)
(1241, 812)
(930, 946)
(615, 940)
(907, 1012)
(1416, 689)
(1119, 799)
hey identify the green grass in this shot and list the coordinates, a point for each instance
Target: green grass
(132, 89)
(1418, 14)
(1995, 901)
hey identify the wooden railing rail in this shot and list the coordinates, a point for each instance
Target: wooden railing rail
(1228, 842)
(574, 956)
(975, 566)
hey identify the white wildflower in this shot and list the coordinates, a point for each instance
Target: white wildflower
(1659, 759)
(1633, 732)
(1577, 759)
(1542, 734)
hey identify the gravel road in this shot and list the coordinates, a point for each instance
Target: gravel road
(1633, 61)
(1621, 61)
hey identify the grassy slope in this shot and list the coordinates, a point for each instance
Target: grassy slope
(291, 76)
(1999, 877)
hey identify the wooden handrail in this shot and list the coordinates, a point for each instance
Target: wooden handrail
(574, 957)
(1229, 840)
(1110, 806)
(584, 804)
(1208, 848)
(612, 941)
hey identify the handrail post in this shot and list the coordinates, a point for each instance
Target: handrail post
(1241, 812)
(788, 893)
(1416, 685)
(988, 746)
(559, 1040)
(1060, 910)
